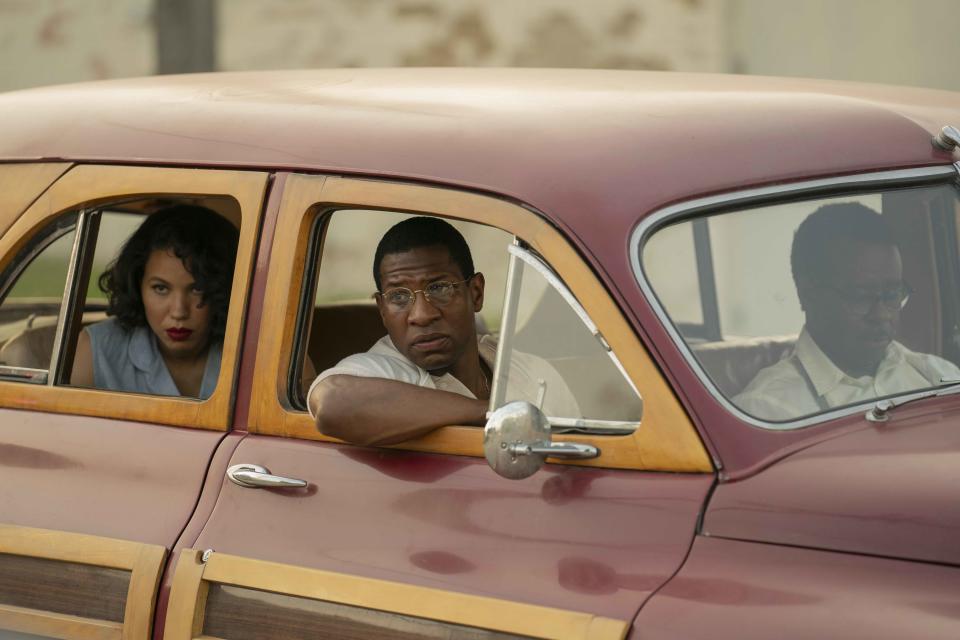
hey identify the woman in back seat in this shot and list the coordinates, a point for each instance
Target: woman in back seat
(168, 292)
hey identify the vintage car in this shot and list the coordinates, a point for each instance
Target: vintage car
(635, 230)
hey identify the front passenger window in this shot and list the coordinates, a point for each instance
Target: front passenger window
(548, 352)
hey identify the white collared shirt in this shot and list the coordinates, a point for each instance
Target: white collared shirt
(383, 360)
(780, 392)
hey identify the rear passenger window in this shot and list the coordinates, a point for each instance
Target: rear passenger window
(51, 291)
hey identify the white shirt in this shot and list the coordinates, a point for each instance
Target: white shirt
(780, 392)
(383, 360)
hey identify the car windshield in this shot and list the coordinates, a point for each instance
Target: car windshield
(797, 309)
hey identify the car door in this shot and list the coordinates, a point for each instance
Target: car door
(97, 485)
(840, 520)
(423, 538)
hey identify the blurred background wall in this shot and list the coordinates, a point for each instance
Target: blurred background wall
(891, 41)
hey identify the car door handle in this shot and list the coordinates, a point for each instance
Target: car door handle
(569, 450)
(253, 476)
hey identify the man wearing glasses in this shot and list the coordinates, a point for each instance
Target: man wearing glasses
(431, 369)
(849, 278)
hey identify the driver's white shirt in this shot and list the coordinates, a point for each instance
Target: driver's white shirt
(779, 392)
(383, 360)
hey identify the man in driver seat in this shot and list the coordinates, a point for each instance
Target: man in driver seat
(431, 369)
(849, 278)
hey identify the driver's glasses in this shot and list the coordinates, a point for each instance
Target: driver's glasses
(861, 299)
(439, 294)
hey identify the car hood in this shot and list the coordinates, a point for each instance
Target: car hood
(889, 489)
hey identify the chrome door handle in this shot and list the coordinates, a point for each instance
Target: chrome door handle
(254, 476)
(568, 450)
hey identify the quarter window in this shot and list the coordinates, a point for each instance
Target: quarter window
(32, 297)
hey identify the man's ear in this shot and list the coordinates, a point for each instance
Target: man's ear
(475, 287)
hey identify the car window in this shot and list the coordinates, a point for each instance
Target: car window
(32, 296)
(555, 360)
(816, 304)
(343, 317)
(51, 291)
(675, 249)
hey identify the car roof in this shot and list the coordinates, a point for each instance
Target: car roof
(573, 143)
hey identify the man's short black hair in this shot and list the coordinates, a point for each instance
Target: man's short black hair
(423, 231)
(828, 232)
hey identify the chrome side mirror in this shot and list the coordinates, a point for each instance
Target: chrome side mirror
(516, 441)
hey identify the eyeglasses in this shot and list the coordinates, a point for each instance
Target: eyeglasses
(861, 299)
(439, 294)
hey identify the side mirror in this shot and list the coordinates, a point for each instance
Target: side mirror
(516, 441)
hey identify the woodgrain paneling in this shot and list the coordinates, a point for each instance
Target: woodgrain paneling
(246, 614)
(348, 606)
(71, 585)
(63, 587)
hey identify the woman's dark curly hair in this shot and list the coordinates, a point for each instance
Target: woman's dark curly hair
(203, 240)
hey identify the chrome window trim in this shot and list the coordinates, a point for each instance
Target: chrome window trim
(755, 197)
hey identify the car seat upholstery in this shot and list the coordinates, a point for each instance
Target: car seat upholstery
(32, 347)
(339, 330)
(732, 364)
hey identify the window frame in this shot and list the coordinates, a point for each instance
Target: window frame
(88, 187)
(767, 196)
(666, 439)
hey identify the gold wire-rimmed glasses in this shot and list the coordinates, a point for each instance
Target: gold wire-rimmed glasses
(439, 294)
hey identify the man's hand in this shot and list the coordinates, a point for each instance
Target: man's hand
(375, 411)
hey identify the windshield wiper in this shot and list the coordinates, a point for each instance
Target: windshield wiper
(881, 410)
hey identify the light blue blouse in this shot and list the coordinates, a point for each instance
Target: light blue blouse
(131, 361)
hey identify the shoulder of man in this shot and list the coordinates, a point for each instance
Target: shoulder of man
(774, 393)
(771, 379)
(934, 368)
(382, 360)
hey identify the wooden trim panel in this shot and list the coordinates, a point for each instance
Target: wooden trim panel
(90, 185)
(58, 625)
(666, 439)
(21, 184)
(188, 595)
(144, 561)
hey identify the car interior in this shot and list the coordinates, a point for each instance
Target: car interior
(32, 286)
(922, 219)
(344, 319)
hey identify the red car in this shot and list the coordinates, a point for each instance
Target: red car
(749, 287)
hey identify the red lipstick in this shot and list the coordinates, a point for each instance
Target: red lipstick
(179, 335)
